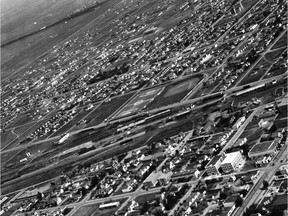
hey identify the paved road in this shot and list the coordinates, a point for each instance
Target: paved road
(256, 194)
(239, 131)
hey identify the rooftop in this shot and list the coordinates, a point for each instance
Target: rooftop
(230, 157)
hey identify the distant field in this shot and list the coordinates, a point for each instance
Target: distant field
(20, 53)
(23, 17)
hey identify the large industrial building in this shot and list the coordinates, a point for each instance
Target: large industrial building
(227, 162)
(231, 161)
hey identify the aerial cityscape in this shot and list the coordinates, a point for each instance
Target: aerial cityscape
(144, 107)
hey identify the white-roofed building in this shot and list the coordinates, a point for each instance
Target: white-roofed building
(231, 161)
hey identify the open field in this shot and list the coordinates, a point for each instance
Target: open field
(146, 197)
(20, 120)
(7, 137)
(107, 109)
(282, 42)
(23, 52)
(273, 55)
(175, 92)
(94, 210)
(275, 71)
(21, 129)
(139, 102)
(87, 210)
(24, 17)
(35, 150)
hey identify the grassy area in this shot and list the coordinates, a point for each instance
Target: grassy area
(7, 137)
(22, 52)
(146, 197)
(282, 42)
(87, 210)
(273, 55)
(106, 109)
(21, 129)
(18, 13)
(93, 210)
(174, 92)
(275, 72)
(20, 120)
(172, 130)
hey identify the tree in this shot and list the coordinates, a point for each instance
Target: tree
(265, 184)
(171, 201)
(222, 195)
(145, 208)
(158, 212)
(163, 189)
(239, 201)
(39, 196)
